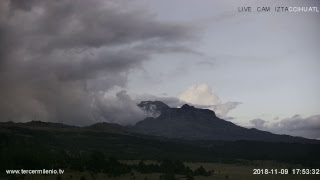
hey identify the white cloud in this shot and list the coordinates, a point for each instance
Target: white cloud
(223, 109)
(203, 95)
(200, 94)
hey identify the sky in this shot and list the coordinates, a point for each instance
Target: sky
(82, 62)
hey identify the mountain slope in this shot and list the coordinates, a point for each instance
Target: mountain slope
(153, 108)
(192, 123)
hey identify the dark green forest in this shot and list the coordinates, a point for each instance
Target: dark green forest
(98, 151)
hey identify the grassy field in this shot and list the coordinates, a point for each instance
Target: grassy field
(221, 172)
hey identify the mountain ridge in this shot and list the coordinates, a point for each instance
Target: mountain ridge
(191, 123)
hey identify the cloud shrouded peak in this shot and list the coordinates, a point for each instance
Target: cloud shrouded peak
(203, 96)
(58, 57)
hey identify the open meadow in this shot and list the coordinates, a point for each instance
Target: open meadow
(221, 172)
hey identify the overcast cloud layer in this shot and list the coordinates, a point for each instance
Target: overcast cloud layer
(58, 58)
(87, 61)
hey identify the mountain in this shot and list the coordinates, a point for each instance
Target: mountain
(192, 123)
(153, 108)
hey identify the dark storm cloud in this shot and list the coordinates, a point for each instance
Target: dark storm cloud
(296, 125)
(57, 58)
(21, 4)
